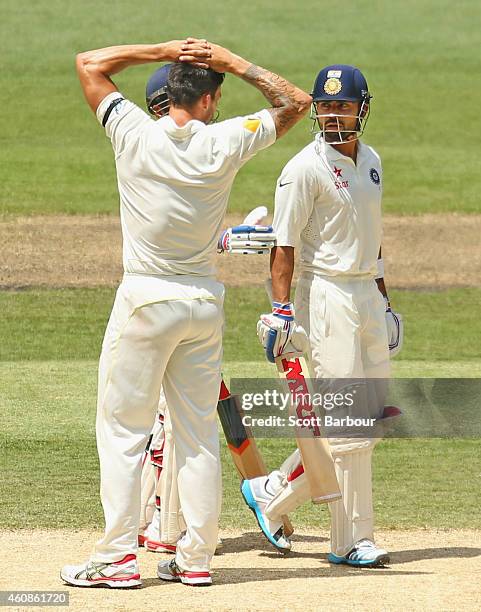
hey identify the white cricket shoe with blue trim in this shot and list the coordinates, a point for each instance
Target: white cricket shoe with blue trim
(257, 496)
(364, 554)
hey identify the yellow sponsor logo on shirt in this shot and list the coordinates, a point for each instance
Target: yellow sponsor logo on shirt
(252, 124)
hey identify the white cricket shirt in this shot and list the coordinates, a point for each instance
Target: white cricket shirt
(331, 207)
(174, 183)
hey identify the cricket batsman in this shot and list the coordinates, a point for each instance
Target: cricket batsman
(328, 205)
(174, 177)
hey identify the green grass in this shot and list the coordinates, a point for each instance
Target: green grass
(418, 58)
(69, 324)
(50, 467)
(48, 364)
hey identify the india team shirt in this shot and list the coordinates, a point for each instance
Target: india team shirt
(330, 207)
(174, 183)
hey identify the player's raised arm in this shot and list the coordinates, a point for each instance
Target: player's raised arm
(289, 103)
(94, 68)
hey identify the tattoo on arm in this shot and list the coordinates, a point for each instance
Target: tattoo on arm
(289, 103)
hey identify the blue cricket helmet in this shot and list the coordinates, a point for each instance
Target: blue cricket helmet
(156, 96)
(347, 84)
(341, 82)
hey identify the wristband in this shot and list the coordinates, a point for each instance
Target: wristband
(380, 269)
(283, 311)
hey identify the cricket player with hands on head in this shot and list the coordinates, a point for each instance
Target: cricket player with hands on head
(161, 523)
(174, 178)
(158, 458)
(328, 204)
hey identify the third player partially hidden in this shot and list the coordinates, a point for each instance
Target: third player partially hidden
(328, 204)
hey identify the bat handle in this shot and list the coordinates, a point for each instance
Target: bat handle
(271, 339)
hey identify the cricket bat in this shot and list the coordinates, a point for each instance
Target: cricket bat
(313, 445)
(241, 444)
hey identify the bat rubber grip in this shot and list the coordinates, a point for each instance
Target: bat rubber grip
(271, 340)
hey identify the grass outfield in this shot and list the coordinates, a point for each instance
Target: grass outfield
(69, 324)
(50, 475)
(417, 56)
(48, 364)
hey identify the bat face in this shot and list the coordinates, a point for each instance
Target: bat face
(239, 438)
(242, 446)
(315, 451)
(294, 368)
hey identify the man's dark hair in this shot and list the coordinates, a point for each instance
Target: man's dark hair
(186, 84)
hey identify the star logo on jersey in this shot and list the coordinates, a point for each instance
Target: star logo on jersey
(374, 176)
(342, 184)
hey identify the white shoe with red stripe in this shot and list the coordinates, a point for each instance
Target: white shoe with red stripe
(159, 547)
(169, 570)
(162, 547)
(123, 574)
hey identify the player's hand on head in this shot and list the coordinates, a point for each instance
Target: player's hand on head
(220, 59)
(395, 331)
(173, 49)
(194, 51)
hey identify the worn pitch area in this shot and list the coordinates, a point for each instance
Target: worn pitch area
(428, 251)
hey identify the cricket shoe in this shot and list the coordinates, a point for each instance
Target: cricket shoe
(169, 570)
(123, 574)
(364, 554)
(163, 547)
(257, 496)
(159, 547)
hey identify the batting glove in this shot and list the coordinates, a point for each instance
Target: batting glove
(249, 238)
(395, 330)
(279, 333)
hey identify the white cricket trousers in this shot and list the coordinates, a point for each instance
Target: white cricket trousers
(346, 324)
(345, 321)
(161, 331)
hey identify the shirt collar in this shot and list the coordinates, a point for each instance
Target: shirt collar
(180, 133)
(333, 154)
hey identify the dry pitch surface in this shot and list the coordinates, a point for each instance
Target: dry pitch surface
(63, 251)
(430, 570)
